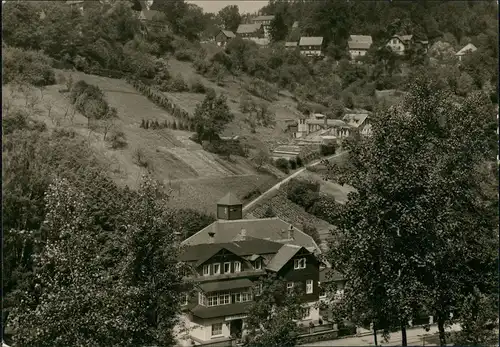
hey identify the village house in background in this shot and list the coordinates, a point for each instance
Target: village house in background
(291, 45)
(400, 44)
(469, 48)
(359, 45)
(229, 256)
(265, 21)
(223, 37)
(311, 46)
(250, 31)
(359, 122)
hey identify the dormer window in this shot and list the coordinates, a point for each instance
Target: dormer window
(258, 264)
(237, 266)
(227, 268)
(216, 269)
(299, 263)
(206, 270)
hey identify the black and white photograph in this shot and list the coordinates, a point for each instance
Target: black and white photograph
(238, 173)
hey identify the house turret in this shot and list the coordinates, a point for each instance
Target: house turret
(229, 208)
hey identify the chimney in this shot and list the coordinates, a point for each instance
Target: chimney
(211, 234)
(326, 122)
(291, 233)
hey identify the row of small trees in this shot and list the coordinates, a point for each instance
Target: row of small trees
(159, 99)
(148, 124)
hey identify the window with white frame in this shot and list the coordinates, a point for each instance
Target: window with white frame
(212, 299)
(217, 329)
(299, 263)
(309, 286)
(216, 269)
(206, 270)
(202, 299)
(224, 298)
(289, 286)
(258, 264)
(237, 266)
(227, 268)
(186, 299)
(246, 297)
(258, 289)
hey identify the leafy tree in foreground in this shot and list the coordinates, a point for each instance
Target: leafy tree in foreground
(118, 287)
(271, 316)
(421, 229)
(212, 116)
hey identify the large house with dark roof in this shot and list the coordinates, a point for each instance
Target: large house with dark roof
(229, 256)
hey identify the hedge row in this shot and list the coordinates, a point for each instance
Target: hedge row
(148, 124)
(332, 335)
(159, 99)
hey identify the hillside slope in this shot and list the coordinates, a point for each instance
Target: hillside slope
(168, 154)
(284, 107)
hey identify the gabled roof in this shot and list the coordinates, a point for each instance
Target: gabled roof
(467, 49)
(285, 253)
(363, 42)
(229, 199)
(260, 41)
(228, 33)
(355, 119)
(311, 41)
(248, 28)
(403, 38)
(203, 252)
(271, 229)
(329, 122)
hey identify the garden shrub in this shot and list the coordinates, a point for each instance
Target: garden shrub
(302, 192)
(197, 86)
(178, 85)
(26, 66)
(327, 149)
(282, 164)
(117, 139)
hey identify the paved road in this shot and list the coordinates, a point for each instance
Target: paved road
(286, 179)
(414, 336)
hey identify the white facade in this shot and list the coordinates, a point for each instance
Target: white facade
(396, 45)
(355, 53)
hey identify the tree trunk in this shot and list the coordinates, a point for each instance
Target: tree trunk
(375, 335)
(442, 334)
(404, 341)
